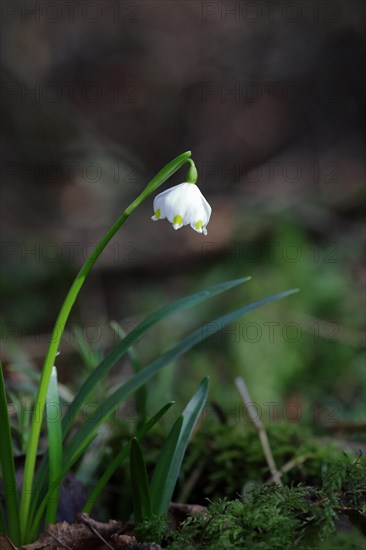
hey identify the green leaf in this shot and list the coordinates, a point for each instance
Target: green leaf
(140, 484)
(111, 359)
(133, 337)
(89, 357)
(7, 466)
(168, 467)
(141, 394)
(86, 430)
(117, 353)
(161, 482)
(36, 517)
(148, 372)
(112, 467)
(54, 446)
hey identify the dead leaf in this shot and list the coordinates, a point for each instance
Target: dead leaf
(6, 544)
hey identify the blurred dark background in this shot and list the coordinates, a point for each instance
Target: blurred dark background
(270, 98)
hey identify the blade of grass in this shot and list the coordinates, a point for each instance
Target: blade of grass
(112, 467)
(40, 401)
(139, 483)
(168, 467)
(8, 467)
(148, 372)
(54, 447)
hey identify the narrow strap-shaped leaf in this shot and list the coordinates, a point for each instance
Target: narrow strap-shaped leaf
(89, 357)
(54, 432)
(7, 466)
(111, 359)
(167, 470)
(35, 519)
(148, 372)
(139, 483)
(141, 394)
(161, 479)
(112, 467)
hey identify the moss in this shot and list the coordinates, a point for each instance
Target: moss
(322, 503)
(152, 529)
(274, 517)
(230, 459)
(331, 515)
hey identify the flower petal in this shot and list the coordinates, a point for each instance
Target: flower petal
(182, 205)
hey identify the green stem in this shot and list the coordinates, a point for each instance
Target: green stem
(61, 320)
(192, 173)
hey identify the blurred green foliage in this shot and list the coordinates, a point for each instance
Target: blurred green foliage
(305, 350)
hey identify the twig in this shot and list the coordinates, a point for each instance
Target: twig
(243, 390)
(297, 461)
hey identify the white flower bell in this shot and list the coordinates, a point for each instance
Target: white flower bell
(183, 204)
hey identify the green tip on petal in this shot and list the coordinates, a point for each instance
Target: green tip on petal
(157, 213)
(198, 225)
(178, 220)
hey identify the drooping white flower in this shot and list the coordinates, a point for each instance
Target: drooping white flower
(183, 204)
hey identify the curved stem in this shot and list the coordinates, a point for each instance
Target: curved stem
(59, 327)
(192, 173)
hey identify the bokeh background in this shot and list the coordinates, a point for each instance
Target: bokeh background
(270, 98)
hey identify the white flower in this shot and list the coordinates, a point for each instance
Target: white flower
(183, 204)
